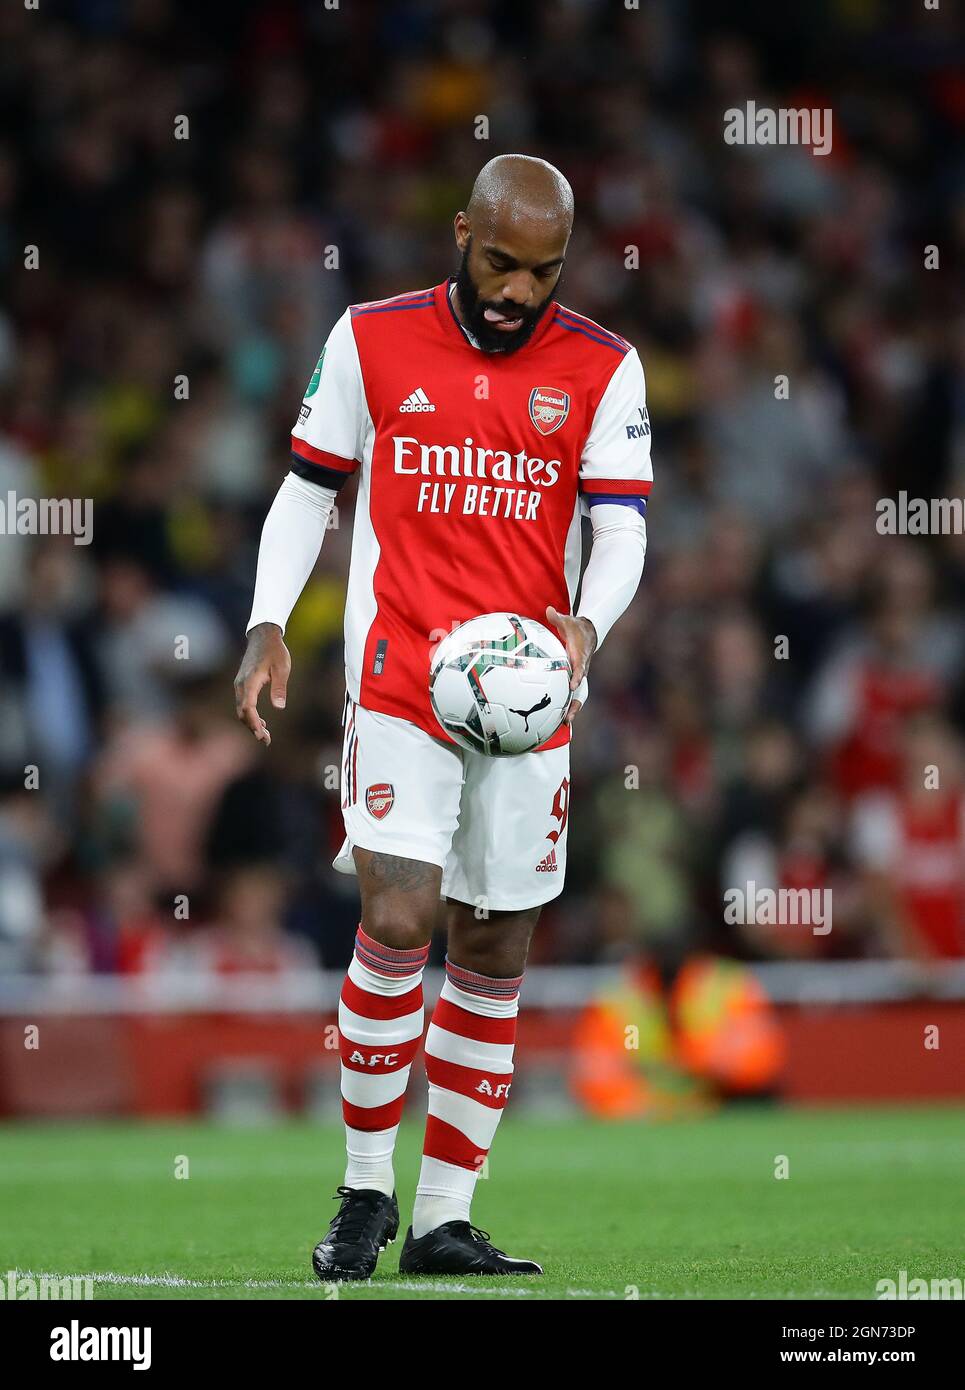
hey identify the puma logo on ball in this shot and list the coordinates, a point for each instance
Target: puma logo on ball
(525, 713)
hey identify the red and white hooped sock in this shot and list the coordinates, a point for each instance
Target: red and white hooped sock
(469, 1064)
(380, 1022)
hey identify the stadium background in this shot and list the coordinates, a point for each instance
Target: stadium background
(703, 758)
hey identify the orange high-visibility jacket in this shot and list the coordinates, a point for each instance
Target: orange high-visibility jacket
(638, 1051)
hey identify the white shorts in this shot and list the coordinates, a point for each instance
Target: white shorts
(495, 826)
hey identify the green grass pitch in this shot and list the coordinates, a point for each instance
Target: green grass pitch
(690, 1210)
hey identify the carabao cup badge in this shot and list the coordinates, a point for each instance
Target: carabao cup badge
(548, 408)
(379, 798)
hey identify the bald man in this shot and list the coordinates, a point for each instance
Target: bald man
(484, 420)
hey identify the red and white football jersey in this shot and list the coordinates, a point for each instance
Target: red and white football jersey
(472, 468)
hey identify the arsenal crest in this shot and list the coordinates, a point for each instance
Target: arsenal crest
(379, 798)
(548, 408)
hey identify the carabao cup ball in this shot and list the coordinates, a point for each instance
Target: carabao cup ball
(500, 684)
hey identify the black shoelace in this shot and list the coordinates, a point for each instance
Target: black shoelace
(355, 1214)
(482, 1237)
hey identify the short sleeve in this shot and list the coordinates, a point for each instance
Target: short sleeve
(615, 466)
(327, 439)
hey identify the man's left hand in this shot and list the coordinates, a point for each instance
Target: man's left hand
(579, 637)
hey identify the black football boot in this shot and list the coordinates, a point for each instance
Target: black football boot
(364, 1225)
(458, 1248)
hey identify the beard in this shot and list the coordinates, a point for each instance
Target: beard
(489, 338)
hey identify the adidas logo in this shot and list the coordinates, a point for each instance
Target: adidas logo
(549, 864)
(418, 401)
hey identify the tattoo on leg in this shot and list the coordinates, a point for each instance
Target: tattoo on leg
(392, 871)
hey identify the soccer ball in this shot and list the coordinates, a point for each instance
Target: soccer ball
(500, 684)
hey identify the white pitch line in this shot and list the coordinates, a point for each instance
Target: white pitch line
(172, 1281)
(177, 1281)
(509, 1292)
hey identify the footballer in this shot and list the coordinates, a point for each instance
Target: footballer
(484, 419)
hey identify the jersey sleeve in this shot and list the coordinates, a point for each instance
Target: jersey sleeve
(328, 437)
(615, 467)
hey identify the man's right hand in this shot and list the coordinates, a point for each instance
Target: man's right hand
(267, 659)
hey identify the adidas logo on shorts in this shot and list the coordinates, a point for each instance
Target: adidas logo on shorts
(549, 864)
(416, 402)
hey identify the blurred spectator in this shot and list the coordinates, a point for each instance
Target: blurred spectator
(903, 663)
(52, 680)
(148, 639)
(158, 783)
(247, 936)
(25, 840)
(911, 842)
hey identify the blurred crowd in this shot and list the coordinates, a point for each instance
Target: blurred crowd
(784, 704)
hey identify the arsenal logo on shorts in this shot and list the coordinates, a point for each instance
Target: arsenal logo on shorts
(379, 798)
(548, 408)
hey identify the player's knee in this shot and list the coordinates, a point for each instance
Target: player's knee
(407, 929)
(501, 953)
(498, 962)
